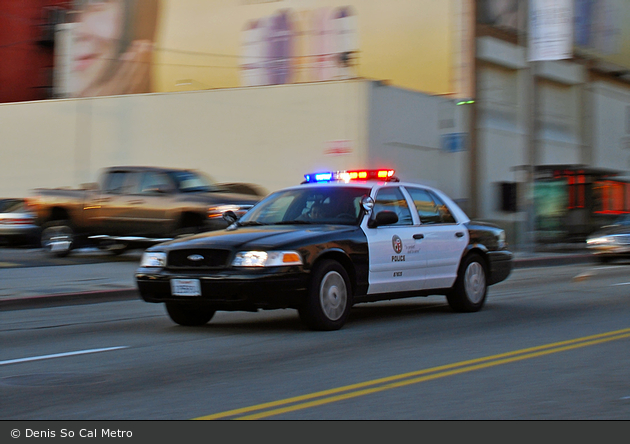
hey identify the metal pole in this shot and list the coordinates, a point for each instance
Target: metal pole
(530, 206)
(473, 207)
(527, 203)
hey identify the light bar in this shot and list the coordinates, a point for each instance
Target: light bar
(348, 176)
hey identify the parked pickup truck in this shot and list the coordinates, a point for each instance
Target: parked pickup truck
(133, 207)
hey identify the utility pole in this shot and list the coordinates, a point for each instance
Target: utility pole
(532, 157)
(473, 207)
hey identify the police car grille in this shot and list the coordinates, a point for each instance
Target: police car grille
(197, 259)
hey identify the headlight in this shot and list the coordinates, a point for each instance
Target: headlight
(598, 240)
(153, 259)
(501, 240)
(266, 258)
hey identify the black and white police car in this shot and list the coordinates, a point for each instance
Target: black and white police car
(338, 239)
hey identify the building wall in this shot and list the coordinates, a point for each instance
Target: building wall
(26, 57)
(405, 129)
(611, 131)
(269, 135)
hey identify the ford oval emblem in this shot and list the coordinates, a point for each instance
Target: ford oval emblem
(195, 257)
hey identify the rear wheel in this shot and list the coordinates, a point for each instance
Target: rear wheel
(329, 297)
(189, 315)
(57, 238)
(471, 287)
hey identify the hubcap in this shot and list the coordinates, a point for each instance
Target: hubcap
(57, 238)
(333, 295)
(475, 282)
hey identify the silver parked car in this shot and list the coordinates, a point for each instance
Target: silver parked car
(611, 241)
(17, 223)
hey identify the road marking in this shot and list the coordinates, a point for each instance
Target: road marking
(620, 283)
(377, 385)
(61, 355)
(9, 264)
(583, 276)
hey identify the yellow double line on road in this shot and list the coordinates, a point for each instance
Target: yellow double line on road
(378, 385)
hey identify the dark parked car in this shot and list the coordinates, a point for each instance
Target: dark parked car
(17, 223)
(611, 241)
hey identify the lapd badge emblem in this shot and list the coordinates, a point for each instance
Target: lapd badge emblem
(397, 244)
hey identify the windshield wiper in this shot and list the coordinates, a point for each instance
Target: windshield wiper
(249, 223)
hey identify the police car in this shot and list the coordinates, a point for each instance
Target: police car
(338, 239)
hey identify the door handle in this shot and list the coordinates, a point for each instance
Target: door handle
(418, 236)
(459, 234)
(136, 202)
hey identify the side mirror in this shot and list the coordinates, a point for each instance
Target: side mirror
(230, 217)
(383, 218)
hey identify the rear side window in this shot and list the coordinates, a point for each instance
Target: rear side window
(114, 182)
(154, 183)
(430, 207)
(121, 182)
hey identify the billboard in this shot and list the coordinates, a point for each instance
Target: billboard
(601, 28)
(550, 30)
(135, 46)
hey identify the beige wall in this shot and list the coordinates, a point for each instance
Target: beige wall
(269, 135)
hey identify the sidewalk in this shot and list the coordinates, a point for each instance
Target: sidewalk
(89, 283)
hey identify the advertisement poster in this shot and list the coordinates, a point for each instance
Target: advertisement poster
(136, 46)
(550, 30)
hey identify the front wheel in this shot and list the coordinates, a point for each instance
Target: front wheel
(471, 287)
(57, 238)
(329, 297)
(189, 315)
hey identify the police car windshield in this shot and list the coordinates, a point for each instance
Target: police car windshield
(309, 205)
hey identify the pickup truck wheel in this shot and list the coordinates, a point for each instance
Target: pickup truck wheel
(471, 286)
(329, 297)
(189, 315)
(57, 237)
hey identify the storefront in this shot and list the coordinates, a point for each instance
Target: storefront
(572, 201)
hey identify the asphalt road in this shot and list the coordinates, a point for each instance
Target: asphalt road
(551, 343)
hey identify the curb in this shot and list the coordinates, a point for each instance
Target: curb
(63, 299)
(550, 261)
(127, 294)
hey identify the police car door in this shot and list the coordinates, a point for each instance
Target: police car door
(394, 255)
(444, 239)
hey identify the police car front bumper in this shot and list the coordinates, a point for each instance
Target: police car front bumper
(234, 289)
(501, 264)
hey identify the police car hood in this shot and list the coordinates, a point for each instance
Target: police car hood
(257, 237)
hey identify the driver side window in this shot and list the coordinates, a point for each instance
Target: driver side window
(392, 199)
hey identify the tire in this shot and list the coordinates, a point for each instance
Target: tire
(603, 259)
(189, 315)
(57, 238)
(471, 286)
(115, 248)
(329, 297)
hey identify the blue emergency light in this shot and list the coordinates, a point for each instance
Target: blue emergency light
(348, 176)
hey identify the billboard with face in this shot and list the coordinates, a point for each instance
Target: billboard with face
(135, 46)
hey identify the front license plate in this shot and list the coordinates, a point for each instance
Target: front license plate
(185, 287)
